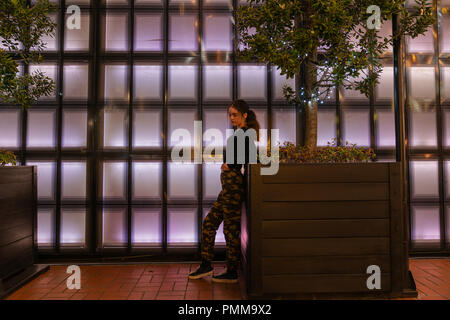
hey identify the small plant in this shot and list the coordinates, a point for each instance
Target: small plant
(22, 28)
(332, 153)
(7, 157)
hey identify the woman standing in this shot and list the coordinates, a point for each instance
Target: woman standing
(227, 207)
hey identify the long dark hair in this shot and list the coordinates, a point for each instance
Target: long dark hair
(242, 106)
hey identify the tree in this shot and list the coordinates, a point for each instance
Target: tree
(21, 30)
(324, 44)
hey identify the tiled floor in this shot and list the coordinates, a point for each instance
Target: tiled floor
(432, 277)
(170, 282)
(133, 282)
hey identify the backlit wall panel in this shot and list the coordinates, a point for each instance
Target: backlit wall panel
(147, 227)
(128, 79)
(10, 129)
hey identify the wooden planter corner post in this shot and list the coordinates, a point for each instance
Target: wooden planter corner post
(316, 228)
(18, 227)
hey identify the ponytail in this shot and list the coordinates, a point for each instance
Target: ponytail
(252, 122)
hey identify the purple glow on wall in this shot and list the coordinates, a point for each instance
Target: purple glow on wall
(422, 85)
(148, 35)
(147, 180)
(284, 120)
(73, 181)
(76, 81)
(423, 130)
(147, 227)
(421, 44)
(74, 132)
(211, 180)
(73, 227)
(278, 81)
(114, 135)
(114, 227)
(9, 128)
(114, 180)
(356, 127)
(182, 226)
(385, 128)
(424, 179)
(215, 119)
(78, 39)
(425, 224)
(217, 82)
(45, 226)
(326, 126)
(182, 179)
(41, 129)
(183, 32)
(252, 81)
(181, 119)
(116, 84)
(147, 82)
(46, 179)
(182, 82)
(116, 31)
(217, 32)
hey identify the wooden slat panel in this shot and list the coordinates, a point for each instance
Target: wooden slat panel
(21, 174)
(256, 247)
(245, 241)
(16, 218)
(326, 265)
(16, 190)
(322, 283)
(13, 234)
(324, 247)
(10, 204)
(322, 173)
(399, 254)
(324, 210)
(16, 256)
(326, 228)
(325, 192)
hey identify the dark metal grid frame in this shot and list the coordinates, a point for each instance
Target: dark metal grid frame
(438, 153)
(93, 155)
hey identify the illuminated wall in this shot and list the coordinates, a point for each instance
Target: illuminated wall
(428, 106)
(138, 70)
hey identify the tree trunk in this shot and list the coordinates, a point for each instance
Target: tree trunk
(309, 78)
(311, 104)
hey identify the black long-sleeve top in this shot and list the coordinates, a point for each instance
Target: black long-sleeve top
(248, 142)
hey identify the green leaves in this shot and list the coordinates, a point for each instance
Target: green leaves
(7, 157)
(22, 29)
(325, 43)
(290, 153)
(26, 90)
(287, 34)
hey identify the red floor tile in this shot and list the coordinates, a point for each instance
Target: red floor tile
(170, 282)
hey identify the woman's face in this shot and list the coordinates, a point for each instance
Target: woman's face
(237, 119)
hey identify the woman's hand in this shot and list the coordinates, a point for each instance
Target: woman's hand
(224, 167)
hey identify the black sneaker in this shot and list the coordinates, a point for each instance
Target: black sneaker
(226, 277)
(203, 271)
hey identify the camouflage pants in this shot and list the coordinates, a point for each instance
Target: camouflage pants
(227, 208)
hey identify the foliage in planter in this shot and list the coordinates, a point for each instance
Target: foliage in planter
(332, 153)
(324, 44)
(21, 29)
(7, 157)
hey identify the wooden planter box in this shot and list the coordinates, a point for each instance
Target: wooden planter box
(315, 228)
(18, 216)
